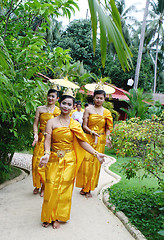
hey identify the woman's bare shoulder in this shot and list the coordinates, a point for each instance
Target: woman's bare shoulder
(41, 108)
(53, 120)
(89, 109)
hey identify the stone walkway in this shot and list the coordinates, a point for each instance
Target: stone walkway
(90, 219)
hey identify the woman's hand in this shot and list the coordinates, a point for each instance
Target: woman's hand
(96, 135)
(108, 142)
(93, 133)
(101, 157)
(44, 160)
(35, 139)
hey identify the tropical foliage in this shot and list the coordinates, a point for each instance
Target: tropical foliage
(155, 32)
(23, 53)
(77, 37)
(142, 206)
(138, 103)
(143, 140)
(25, 50)
(111, 29)
(28, 45)
(127, 17)
(114, 113)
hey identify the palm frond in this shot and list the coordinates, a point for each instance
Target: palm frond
(110, 26)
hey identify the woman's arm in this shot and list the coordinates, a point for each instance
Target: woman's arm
(85, 123)
(85, 120)
(35, 127)
(47, 144)
(108, 139)
(90, 149)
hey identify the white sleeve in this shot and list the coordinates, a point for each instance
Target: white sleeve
(73, 115)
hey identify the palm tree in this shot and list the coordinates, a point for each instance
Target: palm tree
(111, 29)
(141, 45)
(155, 30)
(128, 21)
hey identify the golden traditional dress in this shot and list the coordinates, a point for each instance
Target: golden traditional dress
(88, 174)
(61, 170)
(39, 173)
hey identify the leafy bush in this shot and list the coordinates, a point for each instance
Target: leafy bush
(138, 103)
(143, 140)
(8, 172)
(114, 113)
(142, 207)
(156, 109)
(5, 172)
(16, 122)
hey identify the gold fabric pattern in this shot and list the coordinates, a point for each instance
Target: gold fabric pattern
(60, 172)
(39, 173)
(88, 174)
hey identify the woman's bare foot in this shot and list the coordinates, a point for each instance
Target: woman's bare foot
(45, 224)
(88, 195)
(55, 224)
(36, 190)
(42, 191)
(82, 192)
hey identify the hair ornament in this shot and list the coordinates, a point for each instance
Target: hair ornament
(69, 92)
(55, 87)
(99, 86)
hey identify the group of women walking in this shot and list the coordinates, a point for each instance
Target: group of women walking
(63, 152)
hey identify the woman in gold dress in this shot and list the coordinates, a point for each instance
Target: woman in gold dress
(43, 114)
(65, 142)
(97, 123)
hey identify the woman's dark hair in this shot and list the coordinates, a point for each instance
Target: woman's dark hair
(66, 96)
(86, 105)
(53, 91)
(90, 100)
(78, 102)
(99, 92)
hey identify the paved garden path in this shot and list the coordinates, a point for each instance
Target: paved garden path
(90, 220)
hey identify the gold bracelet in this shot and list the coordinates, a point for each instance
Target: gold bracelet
(47, 152)
(95, 153)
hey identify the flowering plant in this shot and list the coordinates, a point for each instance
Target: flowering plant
(144, 142)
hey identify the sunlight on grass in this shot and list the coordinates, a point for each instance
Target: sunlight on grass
(137, 182)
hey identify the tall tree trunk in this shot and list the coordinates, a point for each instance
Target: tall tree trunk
(141, 46)
(155, 66)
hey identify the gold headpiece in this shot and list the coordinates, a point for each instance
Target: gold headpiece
(69, 92)
(56, 87)
(99, 86)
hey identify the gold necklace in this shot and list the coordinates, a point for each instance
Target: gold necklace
(62, 122)
(49, 109)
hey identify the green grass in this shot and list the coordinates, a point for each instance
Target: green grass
(137, 199)
(15, 172)
(8, 173)
(135, 183)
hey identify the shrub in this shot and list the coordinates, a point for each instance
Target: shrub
(110, 106)
(143, 140)
(142, 207)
